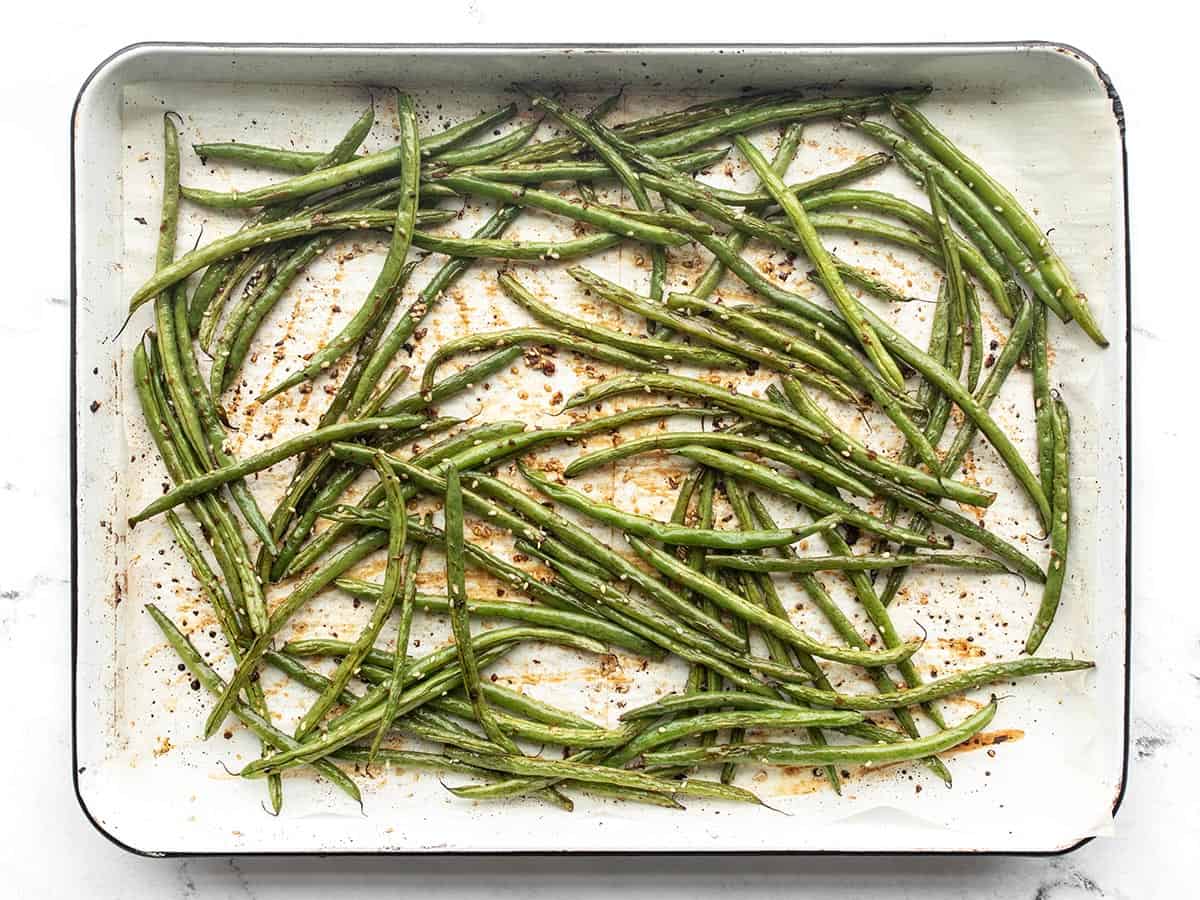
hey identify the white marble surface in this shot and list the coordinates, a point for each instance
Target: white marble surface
(46, 846)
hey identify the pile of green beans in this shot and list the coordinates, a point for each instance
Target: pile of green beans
(696, 588)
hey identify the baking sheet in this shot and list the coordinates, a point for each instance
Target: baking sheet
(1037, 118)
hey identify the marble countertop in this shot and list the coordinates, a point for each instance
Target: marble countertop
(47, 848)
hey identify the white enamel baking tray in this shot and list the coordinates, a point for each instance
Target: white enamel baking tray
(1042, 117)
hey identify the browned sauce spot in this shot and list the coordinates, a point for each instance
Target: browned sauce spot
(987, 739)
(961, 647)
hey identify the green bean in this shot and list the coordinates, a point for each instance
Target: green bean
(861, 168)
(925, 225)
(275, 232)
(635, 414)
(869, 281)
(750, 119)
(362, 355)
(359, 721)
(909, 353)
(689, 193)
(526, 196)
(743, 609)
(525, 729)
(232, 631)
(675, 221)
(210, 585)
(426, 666)
(397, 536)
(716, 335)
(762, 718)
(337, 565)
(314, 181)
(649, 126)
(789, 146)
(974, 215)
(468, 378)
(295, 556)
(516, 787)
(582, 129)
(559, 550)
(817, 254)
(393, 265)
(210, 283)
(1042, 402)
(535, 768)
(488, 150)
(955, 276)
(599, 629)
(975, 234)
(952, 360)
(935, 425)
(856, 563)
(456, 590)
(400, 580)
(551, 595)
(163, 307)
(947, 686)
(813, 754)
(213, 430)
(905, 237)
(249, 307)
(680, 639)
(863, 588)
(418, 760)
(295, 264)
(441, 281)
(509, 574)
(217, 477)
(475, 248)
(673, 704)
(408, 759)
(581, 170)
(185, 465)
(356, 723)
(761, 591)
(614, 792)
(1026, 230)
(762, 411)
(491, 340)
(987, 393)
(431, 724)
(975, 321)
(888, 399)
(532, 708)
(257, 723)
(434, 481)
(670, 183)
(207, 510)
(848, 632)
(679, 535)
(646, 346)
(729, 255)
(657, 312)
(249, 268)
(801, 462)
(585, 543)
(1059, 531)
(807, 495)
(933, 512)
(300, 161)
